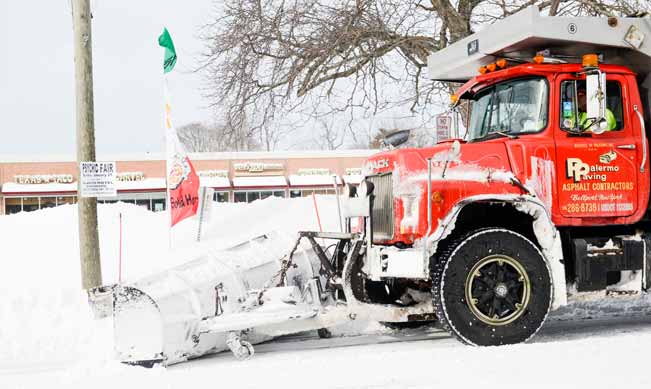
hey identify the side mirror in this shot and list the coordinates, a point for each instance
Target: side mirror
(397, 138)
(596, 101)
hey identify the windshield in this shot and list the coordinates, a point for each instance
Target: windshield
(512, 107)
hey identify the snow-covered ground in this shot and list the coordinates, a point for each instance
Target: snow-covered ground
(48, 338)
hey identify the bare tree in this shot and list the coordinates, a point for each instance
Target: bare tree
(199, 137)
(326, 135)
(268, 59)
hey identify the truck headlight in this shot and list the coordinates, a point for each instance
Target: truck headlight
(366, 188)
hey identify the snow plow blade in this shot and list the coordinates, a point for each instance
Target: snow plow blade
(208, 303)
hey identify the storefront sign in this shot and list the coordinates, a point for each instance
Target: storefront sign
(212, 173)
(314, 172)
(97, 179)
(43, 179)
(353, 171)
(130, 176)
(256, 167)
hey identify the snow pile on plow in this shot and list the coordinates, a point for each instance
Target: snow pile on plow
(45, 314)
(204, 305)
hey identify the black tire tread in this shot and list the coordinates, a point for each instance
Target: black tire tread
(437, 267)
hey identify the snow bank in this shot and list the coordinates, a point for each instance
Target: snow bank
(49, 340)
(44, 318)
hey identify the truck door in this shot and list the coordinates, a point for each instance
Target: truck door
(597, 173)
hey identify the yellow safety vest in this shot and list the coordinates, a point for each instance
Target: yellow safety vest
(610, 120)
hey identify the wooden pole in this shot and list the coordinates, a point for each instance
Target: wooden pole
(120, 256)
(91, 271)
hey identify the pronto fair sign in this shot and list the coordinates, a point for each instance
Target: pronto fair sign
(97, 179)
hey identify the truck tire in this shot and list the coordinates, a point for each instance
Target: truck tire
(491, 287)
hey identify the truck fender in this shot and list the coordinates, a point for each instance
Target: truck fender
(547, 235)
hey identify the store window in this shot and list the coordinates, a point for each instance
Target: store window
(240, 197)
(146, 203)
(220, 197)
(308, 192)
(158, 205)
(250, 196)
(154, 201)
(66, 200)
(13, 205)
(48, 202)
(31, 204)
(151, 201)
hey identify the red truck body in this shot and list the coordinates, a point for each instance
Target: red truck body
(612, 193)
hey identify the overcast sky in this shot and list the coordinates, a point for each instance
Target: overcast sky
(37, 107)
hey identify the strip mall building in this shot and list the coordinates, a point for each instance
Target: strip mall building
(29, 185)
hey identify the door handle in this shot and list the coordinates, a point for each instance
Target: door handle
(627, 147)
(639, 115)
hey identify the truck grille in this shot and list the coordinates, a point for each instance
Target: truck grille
(382, 206)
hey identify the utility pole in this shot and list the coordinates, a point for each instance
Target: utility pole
(91, 271)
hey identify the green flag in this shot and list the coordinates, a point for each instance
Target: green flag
(165, 40)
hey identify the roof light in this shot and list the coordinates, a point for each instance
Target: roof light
(491, 67)
(501, 63)
(590, 61)
(539, 59)
(483, 70)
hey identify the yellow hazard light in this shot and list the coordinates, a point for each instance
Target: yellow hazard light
(483, 70)
(491, 67)
(437, 197)
(539, 59)
(590, 60)
(454, 99)
(501, 63)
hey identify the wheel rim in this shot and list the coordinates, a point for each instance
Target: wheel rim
(498, 290)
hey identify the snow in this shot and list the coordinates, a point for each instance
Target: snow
(147, 183)
(312, 180)
(49, 339)
(259, 181)
(354, 179)
(12, 187)
(215, 182)
(466, 172)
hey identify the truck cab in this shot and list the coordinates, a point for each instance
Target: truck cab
(547, 192)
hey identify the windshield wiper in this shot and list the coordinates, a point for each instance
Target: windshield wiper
(506, 134)
(495, 134)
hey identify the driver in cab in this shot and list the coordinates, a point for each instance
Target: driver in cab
(584, 123)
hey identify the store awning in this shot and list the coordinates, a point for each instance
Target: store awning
(12, 187)
(146, 184)
(141, 185)
(354, 179)
(259, 181)
(215, 182)
(312, 180)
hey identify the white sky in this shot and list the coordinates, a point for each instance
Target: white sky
(37, 109)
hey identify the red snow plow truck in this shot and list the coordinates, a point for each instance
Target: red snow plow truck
(547, 193)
